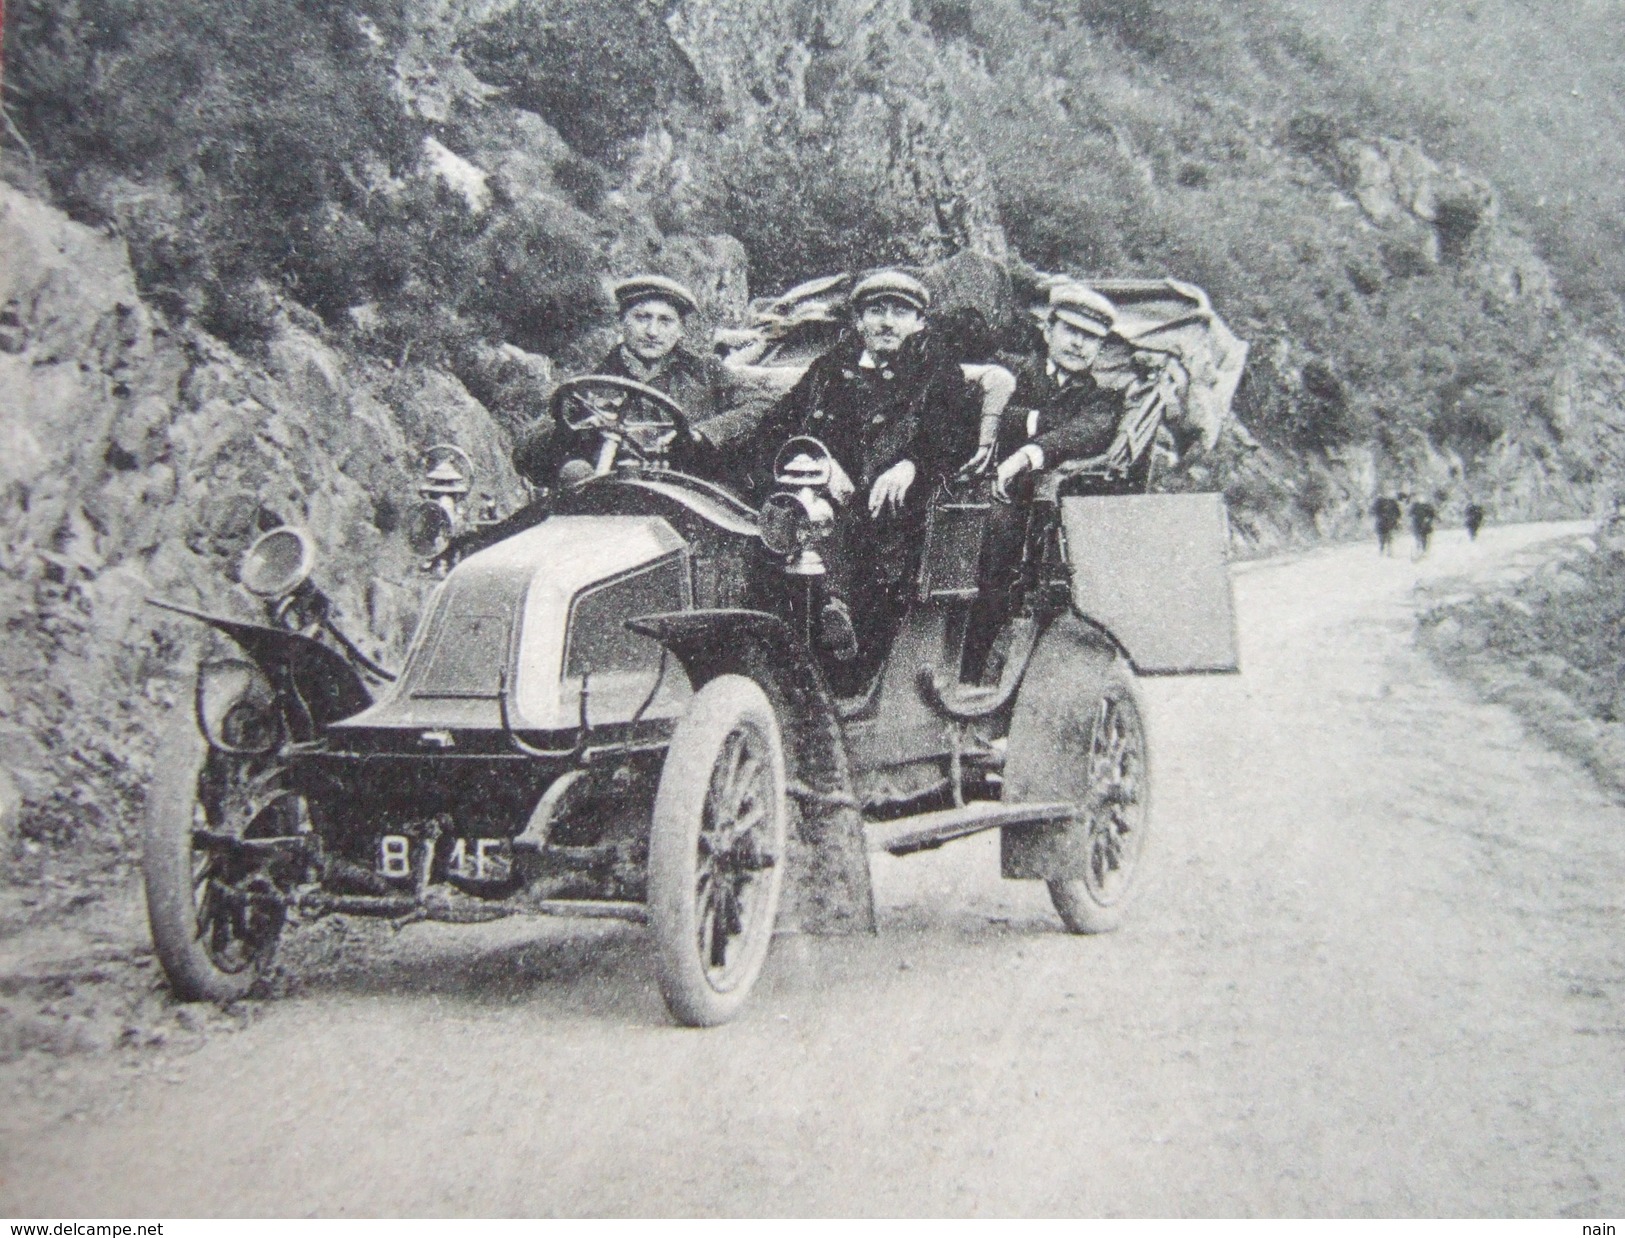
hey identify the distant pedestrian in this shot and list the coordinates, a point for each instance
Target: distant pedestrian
(1475, 520)
(1386, 511)
(1423, 516)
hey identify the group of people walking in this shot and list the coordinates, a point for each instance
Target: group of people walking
(1390, 509)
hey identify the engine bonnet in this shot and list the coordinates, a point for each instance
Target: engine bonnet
(503, 615)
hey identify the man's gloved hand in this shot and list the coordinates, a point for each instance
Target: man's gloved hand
(1015, 464)
(891, 487)
(978, 463)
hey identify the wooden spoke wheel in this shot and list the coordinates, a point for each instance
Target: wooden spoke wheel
(216, 911)
(717, 851)
(1078, 736)
(1113, 817)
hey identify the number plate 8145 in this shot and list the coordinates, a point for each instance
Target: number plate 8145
(470, 859)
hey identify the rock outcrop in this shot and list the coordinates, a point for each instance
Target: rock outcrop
(141, 461)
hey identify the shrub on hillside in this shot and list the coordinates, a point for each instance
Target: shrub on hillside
(251, 127)
(599, 71)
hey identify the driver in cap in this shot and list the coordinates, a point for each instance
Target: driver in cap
(653, 313)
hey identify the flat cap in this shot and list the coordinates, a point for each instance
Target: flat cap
(654, 288)
(891, 286)
(1083, 308)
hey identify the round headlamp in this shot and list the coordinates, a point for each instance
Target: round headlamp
(428, 529)
(781, 521)
(277, 563)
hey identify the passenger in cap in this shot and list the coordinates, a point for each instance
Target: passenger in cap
(898, 411)
(1058, 413)
(653, 313)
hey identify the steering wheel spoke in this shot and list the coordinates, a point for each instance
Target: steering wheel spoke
(630, 417)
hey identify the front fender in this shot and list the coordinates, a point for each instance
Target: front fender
(317, 684)
(712, 642)
(829, 875)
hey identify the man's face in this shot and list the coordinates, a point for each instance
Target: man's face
(884, 324)
(651, 329)
(1071, 348)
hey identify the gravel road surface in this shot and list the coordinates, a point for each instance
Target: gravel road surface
(1377, 968)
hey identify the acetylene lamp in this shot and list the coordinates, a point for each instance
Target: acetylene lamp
(798, 517)
(276, 569)
(436, 518)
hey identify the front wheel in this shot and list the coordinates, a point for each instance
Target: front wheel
(717, 851)
(216, 917)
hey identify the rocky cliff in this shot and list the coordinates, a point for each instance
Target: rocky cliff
(142, 457)
(287, 249)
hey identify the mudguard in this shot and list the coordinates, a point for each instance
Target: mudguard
(828, 885)
(320, 683)
(1049, 741)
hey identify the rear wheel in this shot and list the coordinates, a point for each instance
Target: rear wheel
(717, 851)
(1113, 816)
(216, 918)
(1078, 736)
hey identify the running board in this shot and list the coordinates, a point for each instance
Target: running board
(932, 829)
(590, 909)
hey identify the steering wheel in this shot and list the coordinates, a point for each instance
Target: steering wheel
(624, 411)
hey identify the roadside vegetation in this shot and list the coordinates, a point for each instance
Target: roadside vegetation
(1552, 647)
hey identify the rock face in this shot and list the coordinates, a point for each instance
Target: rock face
(141, 462)
(848, 87)
(1448, 214)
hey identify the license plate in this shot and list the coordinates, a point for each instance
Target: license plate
(469, 859)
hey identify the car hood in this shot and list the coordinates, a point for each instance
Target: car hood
(500, 622)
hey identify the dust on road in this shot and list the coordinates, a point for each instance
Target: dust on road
(1378, 968)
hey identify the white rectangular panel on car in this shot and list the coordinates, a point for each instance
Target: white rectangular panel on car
(1153, 570)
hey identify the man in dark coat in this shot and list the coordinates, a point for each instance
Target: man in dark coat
(898, 412)
(1058, 413)
(653, 312)
(1386, 511)
(1474, 520)
(1423, 516)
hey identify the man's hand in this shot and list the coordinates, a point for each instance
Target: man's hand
(891, 487)
(1014, 466)
(978, 463)
(840, 485)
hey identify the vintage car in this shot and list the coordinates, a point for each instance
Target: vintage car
(611, 708)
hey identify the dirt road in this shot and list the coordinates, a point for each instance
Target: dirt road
(1378, 969)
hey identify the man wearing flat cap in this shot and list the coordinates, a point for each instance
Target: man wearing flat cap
(898, 412)
(1058, 413)
(653, 311)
